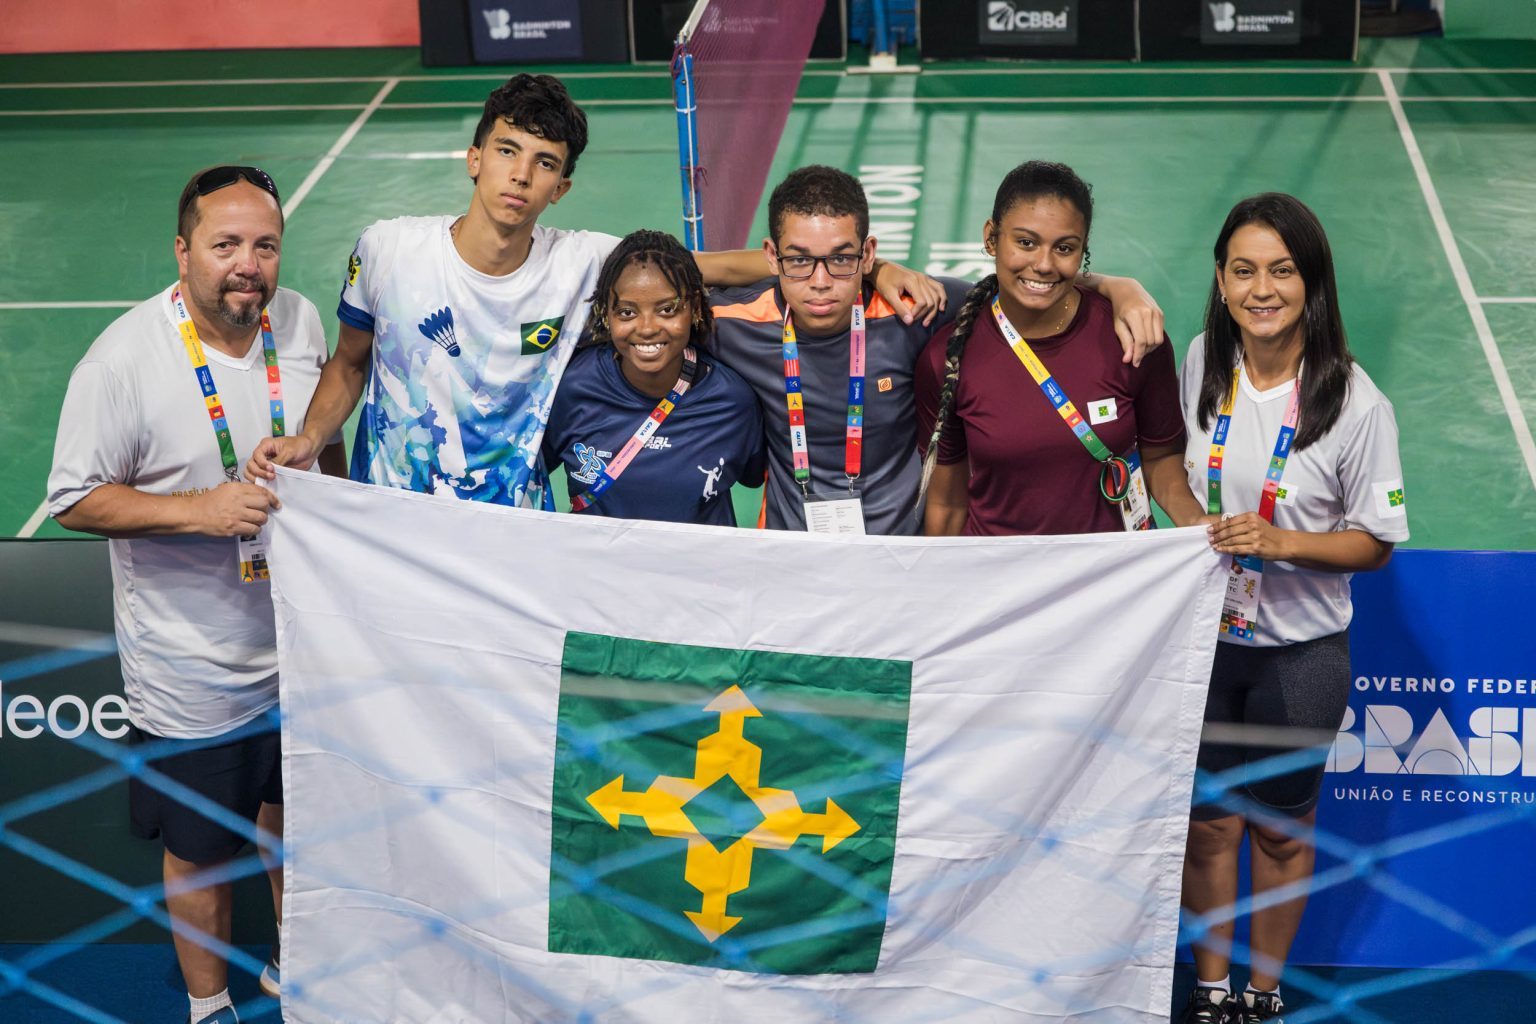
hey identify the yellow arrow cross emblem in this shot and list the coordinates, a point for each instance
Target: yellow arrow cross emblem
(717, 874)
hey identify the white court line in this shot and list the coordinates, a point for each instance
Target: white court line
(336, 147)
(660, 101)
(1496, 300)
(251, 109)
(1261, 70)
(35, 520)
(108, 304)
(430, 154)
(1490, 345)
(799, 101)
(650, 71)
(203, 83)
(999, 101)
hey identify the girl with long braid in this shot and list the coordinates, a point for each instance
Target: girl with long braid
(646, 402)
(1030, 420)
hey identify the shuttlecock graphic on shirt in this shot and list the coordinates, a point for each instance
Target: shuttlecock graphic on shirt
(439, 328)
(499, 23)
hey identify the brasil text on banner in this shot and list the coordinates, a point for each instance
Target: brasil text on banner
(545, 768)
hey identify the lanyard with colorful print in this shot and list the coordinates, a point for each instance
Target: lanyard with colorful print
(616, 466)
(1276, 469)
(1119, 480)
(1240, 610)
(252, 556)
(194, 347)
(853, 439)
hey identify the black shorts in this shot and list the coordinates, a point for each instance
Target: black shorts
(239, 775)
(1304, 686)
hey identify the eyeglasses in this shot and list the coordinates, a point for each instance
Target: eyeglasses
(839, 264)
(215, 178)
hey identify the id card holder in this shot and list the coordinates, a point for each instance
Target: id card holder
(1136, 509)
(1240, 606)
(836, 514)
(252, 556)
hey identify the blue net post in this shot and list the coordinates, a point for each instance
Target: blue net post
(684, 103)
(881, 43)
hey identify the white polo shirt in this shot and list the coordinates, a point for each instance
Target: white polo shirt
(198, 647)
(1350, 479)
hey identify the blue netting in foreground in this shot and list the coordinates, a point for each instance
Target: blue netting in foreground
(1344, 863)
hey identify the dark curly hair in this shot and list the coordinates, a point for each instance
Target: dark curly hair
(818, 190)
(539, 105)
(665, 253)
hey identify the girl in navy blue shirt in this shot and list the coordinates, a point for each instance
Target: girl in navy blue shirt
(646, 423)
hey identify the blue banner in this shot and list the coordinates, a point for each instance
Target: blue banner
(1430, 792)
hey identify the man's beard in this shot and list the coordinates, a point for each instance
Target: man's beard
(244, 316)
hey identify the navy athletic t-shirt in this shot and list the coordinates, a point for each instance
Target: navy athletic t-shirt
(684, 474)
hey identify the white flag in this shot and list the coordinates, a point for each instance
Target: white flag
(550, 767)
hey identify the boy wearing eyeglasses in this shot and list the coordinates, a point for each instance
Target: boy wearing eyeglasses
(831, 361)
(160, 414)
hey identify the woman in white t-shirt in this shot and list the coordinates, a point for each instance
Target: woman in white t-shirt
(1296, 451)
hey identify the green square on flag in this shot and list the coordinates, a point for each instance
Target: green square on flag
(727, 808)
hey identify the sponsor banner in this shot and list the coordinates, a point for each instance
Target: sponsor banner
(1433, 773)
(1250, 22)
(1028, 22)
(514, 31)
(62, 712)
(672, 773)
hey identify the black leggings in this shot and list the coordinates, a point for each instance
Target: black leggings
(1304, 685)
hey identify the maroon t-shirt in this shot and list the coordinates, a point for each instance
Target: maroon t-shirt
(1029, 472)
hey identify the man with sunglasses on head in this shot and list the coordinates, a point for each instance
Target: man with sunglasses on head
(831, 361)
(160, 414)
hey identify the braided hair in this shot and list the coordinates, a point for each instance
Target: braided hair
(1033, 179)
(677, 265)
(976, 300)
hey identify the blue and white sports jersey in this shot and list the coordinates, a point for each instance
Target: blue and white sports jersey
(684, 474)
(464, 364)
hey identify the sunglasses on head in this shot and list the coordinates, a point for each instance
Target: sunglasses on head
(225, 175)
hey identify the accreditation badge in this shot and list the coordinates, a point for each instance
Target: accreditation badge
(252, 556)
(1240, 607)
(836, 514)
(1136, 509)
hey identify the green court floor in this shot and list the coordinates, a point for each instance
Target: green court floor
(1418, 160)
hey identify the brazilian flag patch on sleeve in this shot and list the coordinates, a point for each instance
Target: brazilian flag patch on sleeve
(733, 809)
(540, 335)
